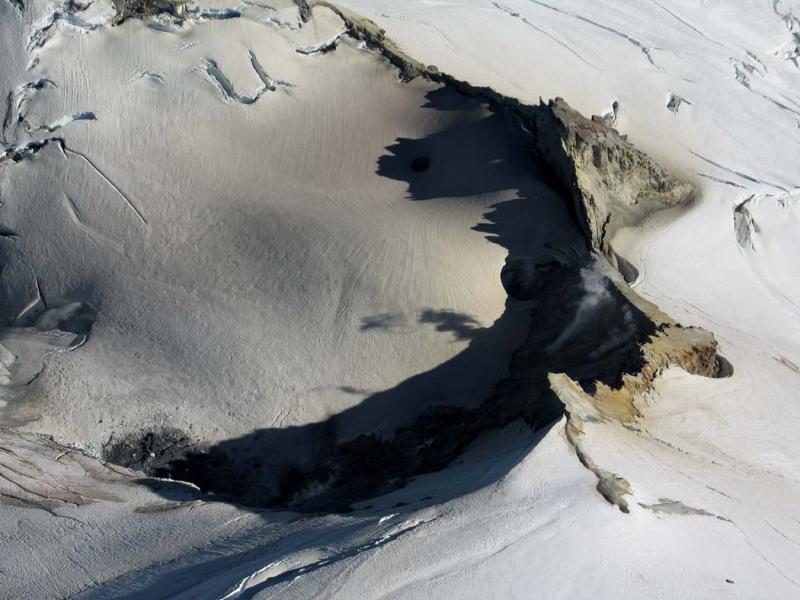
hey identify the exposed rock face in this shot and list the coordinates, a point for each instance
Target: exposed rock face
(612, 183)
(127, 9)
(667, 344)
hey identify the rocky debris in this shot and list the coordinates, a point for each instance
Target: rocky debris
(137, 9)
(149, 451)
(674, 102)
(304, 9)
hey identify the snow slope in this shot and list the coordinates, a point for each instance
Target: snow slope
(217, 274)
(161, 212)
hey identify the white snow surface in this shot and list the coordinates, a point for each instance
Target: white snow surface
(252, 268)
(228, 229)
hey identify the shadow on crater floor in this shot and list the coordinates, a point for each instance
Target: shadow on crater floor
(579, 324)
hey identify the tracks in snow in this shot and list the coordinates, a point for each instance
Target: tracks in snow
(744, 176)
(558, 41)
(67, 151)
(282, 570)
(685, 23)
(646, 50)
(25, 152)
